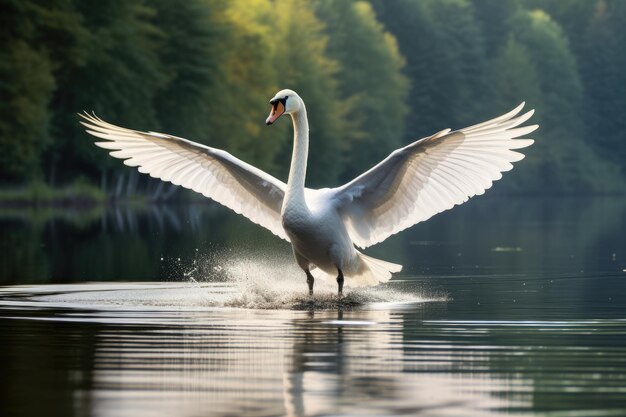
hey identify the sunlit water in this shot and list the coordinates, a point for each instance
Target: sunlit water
(505, 307)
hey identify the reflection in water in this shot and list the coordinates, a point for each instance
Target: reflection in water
(161, 242)
(208, 361)
(532, 320)
(158, 349)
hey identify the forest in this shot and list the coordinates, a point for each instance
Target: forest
(375, 74)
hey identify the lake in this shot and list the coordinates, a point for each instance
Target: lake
(505, 306)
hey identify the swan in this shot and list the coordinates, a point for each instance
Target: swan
(326, 226)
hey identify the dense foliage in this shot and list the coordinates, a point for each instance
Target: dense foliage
(374, 74)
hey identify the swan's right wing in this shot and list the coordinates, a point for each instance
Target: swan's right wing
(429, 176)
(211, 172)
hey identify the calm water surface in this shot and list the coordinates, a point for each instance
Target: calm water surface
(506, 307)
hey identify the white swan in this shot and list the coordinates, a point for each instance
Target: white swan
(411, 185)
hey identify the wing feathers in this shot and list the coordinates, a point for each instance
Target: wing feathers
(411, 185)
(497, 120)
(431, 175)
(212, 172)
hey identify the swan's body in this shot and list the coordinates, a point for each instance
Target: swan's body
(411, 185)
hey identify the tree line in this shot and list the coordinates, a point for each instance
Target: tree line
(374, 74)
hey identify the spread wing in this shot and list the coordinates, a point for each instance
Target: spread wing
(211, 172)
(429, 176)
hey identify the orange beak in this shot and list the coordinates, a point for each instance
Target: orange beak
(278, 108)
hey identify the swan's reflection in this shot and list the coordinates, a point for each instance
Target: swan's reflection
(243, 362)
(340, 359)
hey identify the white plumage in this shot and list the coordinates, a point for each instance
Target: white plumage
(214, 173)
(410, 186)
(430, 176)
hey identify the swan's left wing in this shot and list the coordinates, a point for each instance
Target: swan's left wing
(212, 172)
(429, 176)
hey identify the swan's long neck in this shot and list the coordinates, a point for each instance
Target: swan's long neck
(294, 196)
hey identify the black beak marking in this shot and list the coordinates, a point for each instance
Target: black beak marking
(276, 100)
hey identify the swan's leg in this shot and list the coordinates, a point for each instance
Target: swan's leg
(340, 282)
(304, 264)
(309, 280)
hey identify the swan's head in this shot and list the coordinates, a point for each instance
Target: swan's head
(284, 102)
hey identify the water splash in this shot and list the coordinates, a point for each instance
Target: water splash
(276, 282)
(230, 279)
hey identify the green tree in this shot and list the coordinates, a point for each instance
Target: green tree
(494, 17)
(246, 81)
(114, 71)
(204, 69)
(369, 78)
(443, 46)
(574, 16)
(26, 84)
(303, 65)
(190, 53)
(465, 89)
(603, 66)
(567, 162)
(514, 78)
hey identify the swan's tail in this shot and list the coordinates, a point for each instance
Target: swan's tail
(371, 271)
(365, 272)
